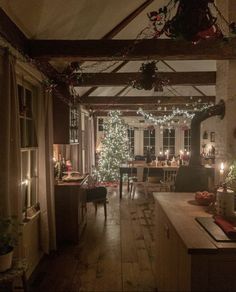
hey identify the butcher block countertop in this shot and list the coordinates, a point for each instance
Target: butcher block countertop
(181, 211)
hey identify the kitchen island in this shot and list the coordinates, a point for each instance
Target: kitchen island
(187, 257)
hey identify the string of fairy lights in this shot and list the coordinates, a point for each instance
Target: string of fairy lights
(166, 119)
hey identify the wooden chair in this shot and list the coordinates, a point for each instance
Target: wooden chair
(98, 195)
(168, 182)
(154, 181)
(140, 180)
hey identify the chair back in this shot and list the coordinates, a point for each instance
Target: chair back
(170, 175)
(140, 173)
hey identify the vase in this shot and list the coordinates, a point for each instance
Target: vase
(6, 260)
(225, 202)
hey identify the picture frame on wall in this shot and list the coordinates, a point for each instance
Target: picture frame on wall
(212, 137)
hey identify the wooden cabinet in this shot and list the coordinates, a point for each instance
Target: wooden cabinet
(70, 211)
(187, 258)
(65, 122)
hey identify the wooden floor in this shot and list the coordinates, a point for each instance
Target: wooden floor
(113, 255)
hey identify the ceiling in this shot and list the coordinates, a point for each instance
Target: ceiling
(88, 20)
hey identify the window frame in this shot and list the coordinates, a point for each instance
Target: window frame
(169, 145)
(151, 139)
(187, 146)
(29, 173)
(131, 140)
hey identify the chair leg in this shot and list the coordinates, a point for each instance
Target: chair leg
(96, 207)
(146, 190)
(105, 209)
(133, 193)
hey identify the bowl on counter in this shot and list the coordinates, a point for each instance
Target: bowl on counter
(204, 198)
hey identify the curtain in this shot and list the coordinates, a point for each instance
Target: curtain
(46, 175)
(91, 144)
(10, 174)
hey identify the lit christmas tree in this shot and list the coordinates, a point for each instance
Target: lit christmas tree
(115, 148)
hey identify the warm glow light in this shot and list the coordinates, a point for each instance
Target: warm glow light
(160, 153)
(222, 167)
(25, 182)
(188, 152)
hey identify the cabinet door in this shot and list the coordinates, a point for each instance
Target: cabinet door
(172, 262)
(61, 132)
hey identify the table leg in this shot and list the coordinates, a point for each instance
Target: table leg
(121, 184)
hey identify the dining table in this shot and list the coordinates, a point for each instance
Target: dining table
(149, 170)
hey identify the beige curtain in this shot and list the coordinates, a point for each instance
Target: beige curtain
(91, 144)
(46, 175)
(10, 197)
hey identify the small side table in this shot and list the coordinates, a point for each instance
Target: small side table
(18, 270)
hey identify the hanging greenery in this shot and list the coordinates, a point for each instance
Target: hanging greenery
(192, 21)
(149, 77)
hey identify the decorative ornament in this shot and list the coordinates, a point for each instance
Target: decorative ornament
(49, 85)
(149, 78)
(193, 21)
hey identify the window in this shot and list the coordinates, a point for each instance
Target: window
(149, 141)
(169, 141)
(100, 125)
(131, 141)
(74, 125)
(187, 140)
(29, 150)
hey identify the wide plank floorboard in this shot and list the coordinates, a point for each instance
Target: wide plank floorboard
(116, 254)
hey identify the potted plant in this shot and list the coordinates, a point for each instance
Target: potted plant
(231, 176)
(9, 234)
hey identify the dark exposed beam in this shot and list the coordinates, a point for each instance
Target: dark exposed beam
(127, 20)
(139, 100)
(116, 30)
(14, 36)
(120, 79)
(11, 33)
(104, 50)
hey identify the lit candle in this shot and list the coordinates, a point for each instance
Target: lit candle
(222, 169)
(156, 160)
(167, 154)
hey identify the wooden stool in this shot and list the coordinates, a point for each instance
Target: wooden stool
(18, 270)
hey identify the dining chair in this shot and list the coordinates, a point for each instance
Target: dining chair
(168, 182)
(139, 180)
(154, 181)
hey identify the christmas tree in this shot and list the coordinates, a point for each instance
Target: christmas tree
(115, 147)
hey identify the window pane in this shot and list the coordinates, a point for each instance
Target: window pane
(28, 103)
(21, 99)
(33, 163)
(31, 140)
(33, 191)
(146, 141)
(24, 165)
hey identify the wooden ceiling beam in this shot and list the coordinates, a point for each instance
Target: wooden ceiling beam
(139, 100)
(156, 49)
(120, 79)
(12, 34)
(118, 28)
